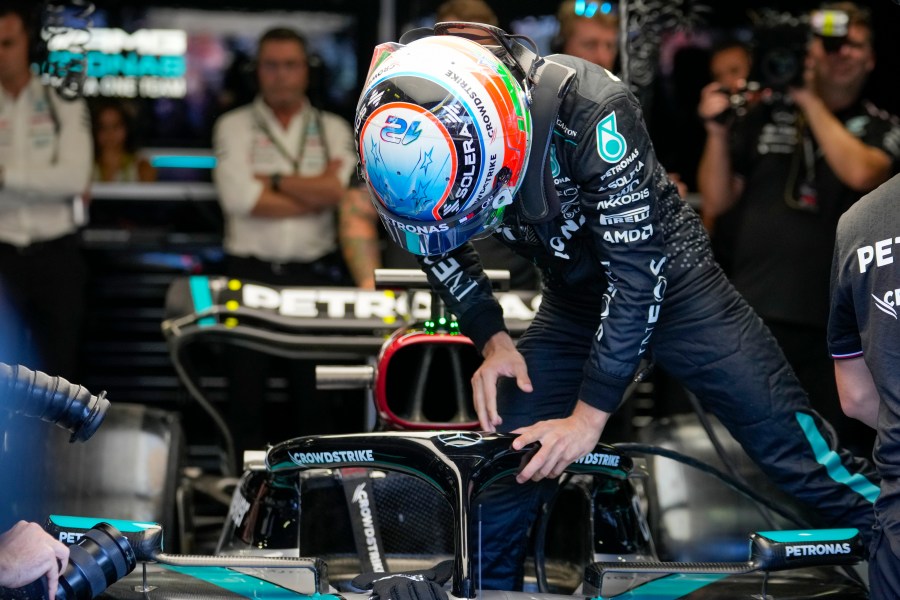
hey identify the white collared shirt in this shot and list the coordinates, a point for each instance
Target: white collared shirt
(46, 163)
(244, 148)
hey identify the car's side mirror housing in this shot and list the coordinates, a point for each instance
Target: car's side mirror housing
(792, 549)
(769, 551)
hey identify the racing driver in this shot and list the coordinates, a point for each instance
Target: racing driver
(460, 139)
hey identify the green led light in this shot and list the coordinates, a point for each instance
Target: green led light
(442, 321)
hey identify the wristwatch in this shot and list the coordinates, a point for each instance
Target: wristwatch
(275, 180)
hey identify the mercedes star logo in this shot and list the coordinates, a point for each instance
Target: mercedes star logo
(460, 439)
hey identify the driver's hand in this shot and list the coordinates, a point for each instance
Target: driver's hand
(501, 359)
(27, 553)
(563, 441)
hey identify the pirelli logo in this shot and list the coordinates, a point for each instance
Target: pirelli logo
(635, 215)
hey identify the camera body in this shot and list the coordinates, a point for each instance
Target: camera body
(779, 56)
(782, 40)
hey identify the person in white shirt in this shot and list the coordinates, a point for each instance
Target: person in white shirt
(282, 167)
(45, 166)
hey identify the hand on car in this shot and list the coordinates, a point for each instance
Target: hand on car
(501, 359)
(27, 553)
(563, 441)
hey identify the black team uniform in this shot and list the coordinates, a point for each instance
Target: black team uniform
(864, 322)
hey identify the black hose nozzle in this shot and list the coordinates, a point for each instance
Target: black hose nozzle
(52, 399)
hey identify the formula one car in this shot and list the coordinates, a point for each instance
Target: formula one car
(414, 497)
(338, 514)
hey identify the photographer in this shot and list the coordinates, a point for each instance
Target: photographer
(788, 169)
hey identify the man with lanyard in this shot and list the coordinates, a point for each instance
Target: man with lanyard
(786, 172)
(864, 340)
(282, 166)
(45, 164)
(564, 173)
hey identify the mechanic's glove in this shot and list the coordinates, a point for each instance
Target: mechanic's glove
(411, 585)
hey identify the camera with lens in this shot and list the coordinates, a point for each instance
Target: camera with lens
(781, 41)
(98, 559)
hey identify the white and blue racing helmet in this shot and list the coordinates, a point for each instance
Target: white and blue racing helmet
(443, 134)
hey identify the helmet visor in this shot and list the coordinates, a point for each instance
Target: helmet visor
(429, 238)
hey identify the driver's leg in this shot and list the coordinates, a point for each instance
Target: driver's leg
(720, 350)
(555, 351)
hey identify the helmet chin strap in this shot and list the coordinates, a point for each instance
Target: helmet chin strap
(539, 201)
(545, 83)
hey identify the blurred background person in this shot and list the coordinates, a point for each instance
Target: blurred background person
(729, 66)
(116, 156)
(473, 11)
(45, 166)
(594, 38)
(282, 167)
(790, 168)
(363, 247)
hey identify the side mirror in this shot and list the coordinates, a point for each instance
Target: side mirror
(792, 549)
(769, 551)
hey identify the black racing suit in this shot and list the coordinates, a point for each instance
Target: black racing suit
(628, 271)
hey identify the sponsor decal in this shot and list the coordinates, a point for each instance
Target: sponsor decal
(554, 164)
(634, 215)
(565, 128)
(424, 229)
(885, 306)
(70, 537)
(148, 63)
(624, 180)
(596, 458)
(239, 508)
(359, 304)
(623, 200)
(360, 498)
(480, 107)
(659, 290)
(460, 439)
(449, 272)
(336, 456)
(628, 236)
(620, 167)
(611, 146)
(492, 167)
(653, 311)
(558, 243)
(798, 550)
(606, 301)
(881, 252)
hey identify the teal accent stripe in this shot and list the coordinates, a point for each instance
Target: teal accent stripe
(829, 459)
(175, 161)
(812, 535)
(66, 522)
(202, 297)
(241, 584)
(412, 242)
(672, 586)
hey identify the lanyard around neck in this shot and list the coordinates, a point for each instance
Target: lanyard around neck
(308, 123)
